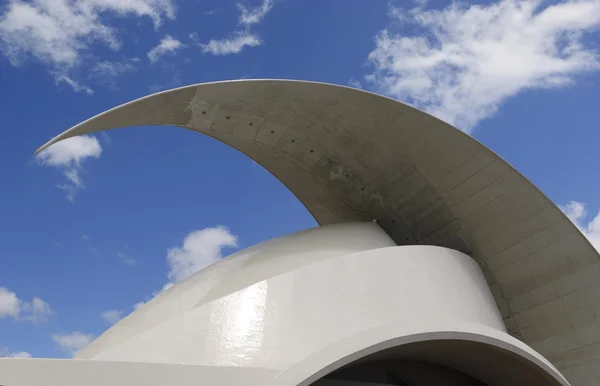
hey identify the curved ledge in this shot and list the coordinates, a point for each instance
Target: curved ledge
(509, 362)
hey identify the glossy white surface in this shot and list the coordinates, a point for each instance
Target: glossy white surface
(278, 321)
(297, 308)
(242, 269)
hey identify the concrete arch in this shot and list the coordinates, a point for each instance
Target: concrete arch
(351, 155)
(488, 355)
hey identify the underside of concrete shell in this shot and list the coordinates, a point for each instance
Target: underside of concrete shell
(436, 260)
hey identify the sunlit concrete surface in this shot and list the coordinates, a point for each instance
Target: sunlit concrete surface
(350, 156)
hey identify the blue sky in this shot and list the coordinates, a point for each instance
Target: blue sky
(96, 225)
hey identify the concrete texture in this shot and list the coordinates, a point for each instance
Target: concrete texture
(350, 155)
(299, 315)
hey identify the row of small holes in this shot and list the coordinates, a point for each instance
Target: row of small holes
(311, 150)
(273, 132)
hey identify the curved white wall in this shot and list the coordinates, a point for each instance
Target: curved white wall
(282, 301)
(278, 321)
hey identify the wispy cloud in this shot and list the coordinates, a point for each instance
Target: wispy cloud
(106, 138)
(126, 259)
(254, 15)
(200, 249)
(463, 61)
(68, 156)
(155, 88)
(111, 69)
(112, 316)
(354, 83)
(106, 72)
(37, 311)
(88, 241)
(11, 306)
(59, 32)
(75, 85)
(590, 227)
(72, 342)
(232, 45)
(168, 45)
(242, 38)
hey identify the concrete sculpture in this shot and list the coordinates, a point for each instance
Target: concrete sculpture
(436, 262)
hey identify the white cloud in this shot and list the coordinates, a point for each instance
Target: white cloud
(168, 45)
(169, 285)
(36, 311)
(463, 61)
(72, 342)
(577, 212)
(126, 259)
(233, 45)
(19, 354)
(5, 353)
(200, 249)
(68, 156)
(138, 305)
(112, 316)
(59, 32)
(254, 15)
(241, 38)
(10, 304)
(71, 151)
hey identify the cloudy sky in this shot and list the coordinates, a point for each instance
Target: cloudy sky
(97, 225)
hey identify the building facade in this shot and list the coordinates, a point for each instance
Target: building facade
(436, 262)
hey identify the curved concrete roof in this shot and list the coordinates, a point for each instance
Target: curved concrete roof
(352, 155)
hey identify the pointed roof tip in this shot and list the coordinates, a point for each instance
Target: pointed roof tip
(44, 147)
(54, 140)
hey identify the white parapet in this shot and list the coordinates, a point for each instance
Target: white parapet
(305, 305)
